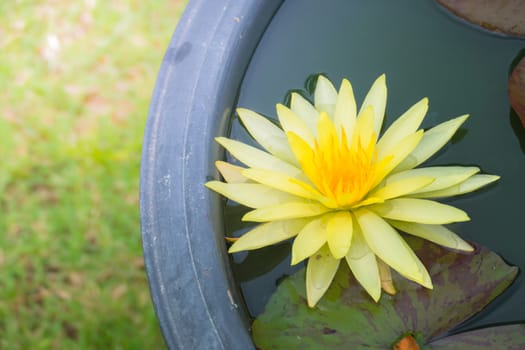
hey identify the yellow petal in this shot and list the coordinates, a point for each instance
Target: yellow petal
(327, 133)
(386, 243)
(267, 234)
(282, 182)
(364, 128)
(320, 272)
(250, 194)
(471, 184)
(426, 281)
(304, 110)
(376, 98)
(400, 187)
(255, 158)
(267, 134)
(291, 122)
(362, 261)
(231, 173)
(419, 210)
(285, 211)
(325, 96)
(433, 140)
(304, 153)
(434, 233)
(445, 176)
(339, 233)
(405, 125)
(397, 154)
(311, 238)
(368, 201)
(385, 273)
(345, 110)
(301, 149)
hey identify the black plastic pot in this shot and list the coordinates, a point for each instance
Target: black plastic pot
(214, 47)
(195, 297)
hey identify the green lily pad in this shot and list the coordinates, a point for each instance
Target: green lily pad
(503, 16)
(517, 90)
(510, 337)
(346, 317)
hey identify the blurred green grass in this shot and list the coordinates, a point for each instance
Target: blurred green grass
(76, 78)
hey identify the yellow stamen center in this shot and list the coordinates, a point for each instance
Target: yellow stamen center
(342, 172)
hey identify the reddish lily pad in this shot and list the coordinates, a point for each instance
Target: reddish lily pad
(510, 337)
(503, 16)
(348, 318)
(517, 90)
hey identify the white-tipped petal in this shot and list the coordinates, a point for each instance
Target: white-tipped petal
(469, 185)
(405, 125)
(267, 134)
(320, 272)
(419, 210)
(231, 173)
(267, 234)
(433, 233)
(444, 176)
(304, 110)
(286, 211)
(433, 140)
(250, 194)
(291, 122)
(325, 96)
(255, 158)
(310, 239)
(345, 110)
(362, 261)
(386, 243)
(376, 98)
(339, 233)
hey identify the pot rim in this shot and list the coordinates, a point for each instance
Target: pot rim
(195, 297)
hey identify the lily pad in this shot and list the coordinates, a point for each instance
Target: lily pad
(503, 16)
(510, 337)
(348, 318)
(517, 90)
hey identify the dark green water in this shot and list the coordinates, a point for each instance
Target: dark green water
(424, 52)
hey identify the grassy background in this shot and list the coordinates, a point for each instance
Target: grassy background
(75, 81)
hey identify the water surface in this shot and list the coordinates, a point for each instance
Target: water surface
(424, 52)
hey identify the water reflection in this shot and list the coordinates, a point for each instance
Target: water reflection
(261, 261)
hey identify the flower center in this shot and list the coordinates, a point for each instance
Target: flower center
(343, 173)
(341, 170)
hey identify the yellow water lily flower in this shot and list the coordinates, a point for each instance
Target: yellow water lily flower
(326, 178)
